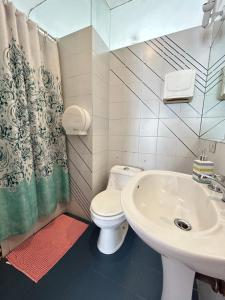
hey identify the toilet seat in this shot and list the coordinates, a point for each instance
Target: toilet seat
(107, 204)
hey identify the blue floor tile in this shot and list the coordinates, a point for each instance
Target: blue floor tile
(135, 267)
(134, 272)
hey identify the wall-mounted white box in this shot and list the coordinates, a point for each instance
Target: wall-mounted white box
(179, 86)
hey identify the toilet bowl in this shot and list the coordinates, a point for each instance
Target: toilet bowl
(107, 212)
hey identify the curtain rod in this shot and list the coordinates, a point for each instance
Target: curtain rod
(46, 33)
(39, 28)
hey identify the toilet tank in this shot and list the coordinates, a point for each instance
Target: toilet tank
(119, 176)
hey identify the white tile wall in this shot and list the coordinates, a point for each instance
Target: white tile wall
(213, 121)
(100, 86)
(85, 76)
(142, 129)
(218, 157)
(76, 67)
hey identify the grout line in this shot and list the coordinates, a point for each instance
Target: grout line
(160, 119)
(145, 63)
(152, 92)
(74, 184)
(217, 67)
(213, 87)
(211, 108)
(85, 144)
(173, 49)
(203, 104)
(81, 205)
(160, 55)
(216, 73)
(214, 126)
(177, 62)
(216, 62)
(135, 75)
(180, 140)
(79, 172)
(82, 202)
(172, 64)
(213, 81)
(215, 37)
(132, 91)
(79, 155)
(186, 52)
(165, 54)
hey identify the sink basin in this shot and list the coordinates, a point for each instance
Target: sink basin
(181, 219)
(162, 199)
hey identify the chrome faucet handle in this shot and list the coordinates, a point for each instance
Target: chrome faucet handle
(220, 178)
(214, 183)
(217, 184)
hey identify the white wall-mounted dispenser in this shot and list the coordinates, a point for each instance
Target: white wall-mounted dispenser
(76, 120)
(179, 86)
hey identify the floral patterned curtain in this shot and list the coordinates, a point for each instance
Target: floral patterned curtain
(33, 162)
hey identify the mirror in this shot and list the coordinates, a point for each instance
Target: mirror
(213, 114)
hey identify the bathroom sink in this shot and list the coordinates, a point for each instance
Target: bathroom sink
(181, 219)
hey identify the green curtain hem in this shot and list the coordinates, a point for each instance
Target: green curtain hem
(21, 209)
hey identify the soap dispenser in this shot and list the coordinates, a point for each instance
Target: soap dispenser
(202, 167)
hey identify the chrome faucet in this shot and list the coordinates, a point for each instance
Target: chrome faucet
(217, 184)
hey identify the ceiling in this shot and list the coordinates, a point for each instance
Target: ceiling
(58, 17)
(139, 19)
(68, 15)
(26, 5)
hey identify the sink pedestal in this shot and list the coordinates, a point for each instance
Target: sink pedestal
(178, 280)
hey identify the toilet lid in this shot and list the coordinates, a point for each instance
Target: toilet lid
(107, 203)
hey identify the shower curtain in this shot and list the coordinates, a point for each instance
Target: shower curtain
(33, 162)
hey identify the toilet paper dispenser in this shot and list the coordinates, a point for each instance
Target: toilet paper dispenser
(76, 120)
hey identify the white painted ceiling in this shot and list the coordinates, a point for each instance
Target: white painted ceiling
(132, 21)
(26, 5)
(58, 17)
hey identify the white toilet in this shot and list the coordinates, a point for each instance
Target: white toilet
(107, 212)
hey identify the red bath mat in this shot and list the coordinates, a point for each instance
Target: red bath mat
(39, 253)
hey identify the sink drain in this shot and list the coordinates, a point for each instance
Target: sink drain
(182, 224)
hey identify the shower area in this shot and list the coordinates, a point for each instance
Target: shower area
(43, 173)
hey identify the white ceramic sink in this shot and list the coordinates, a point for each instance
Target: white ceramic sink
(152, 201)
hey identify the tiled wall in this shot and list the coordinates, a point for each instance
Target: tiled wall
(100, 86)
(76, 68)
(130, 123)
(217, 156)
(84, 62)
(213, 121)
(143, 131)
